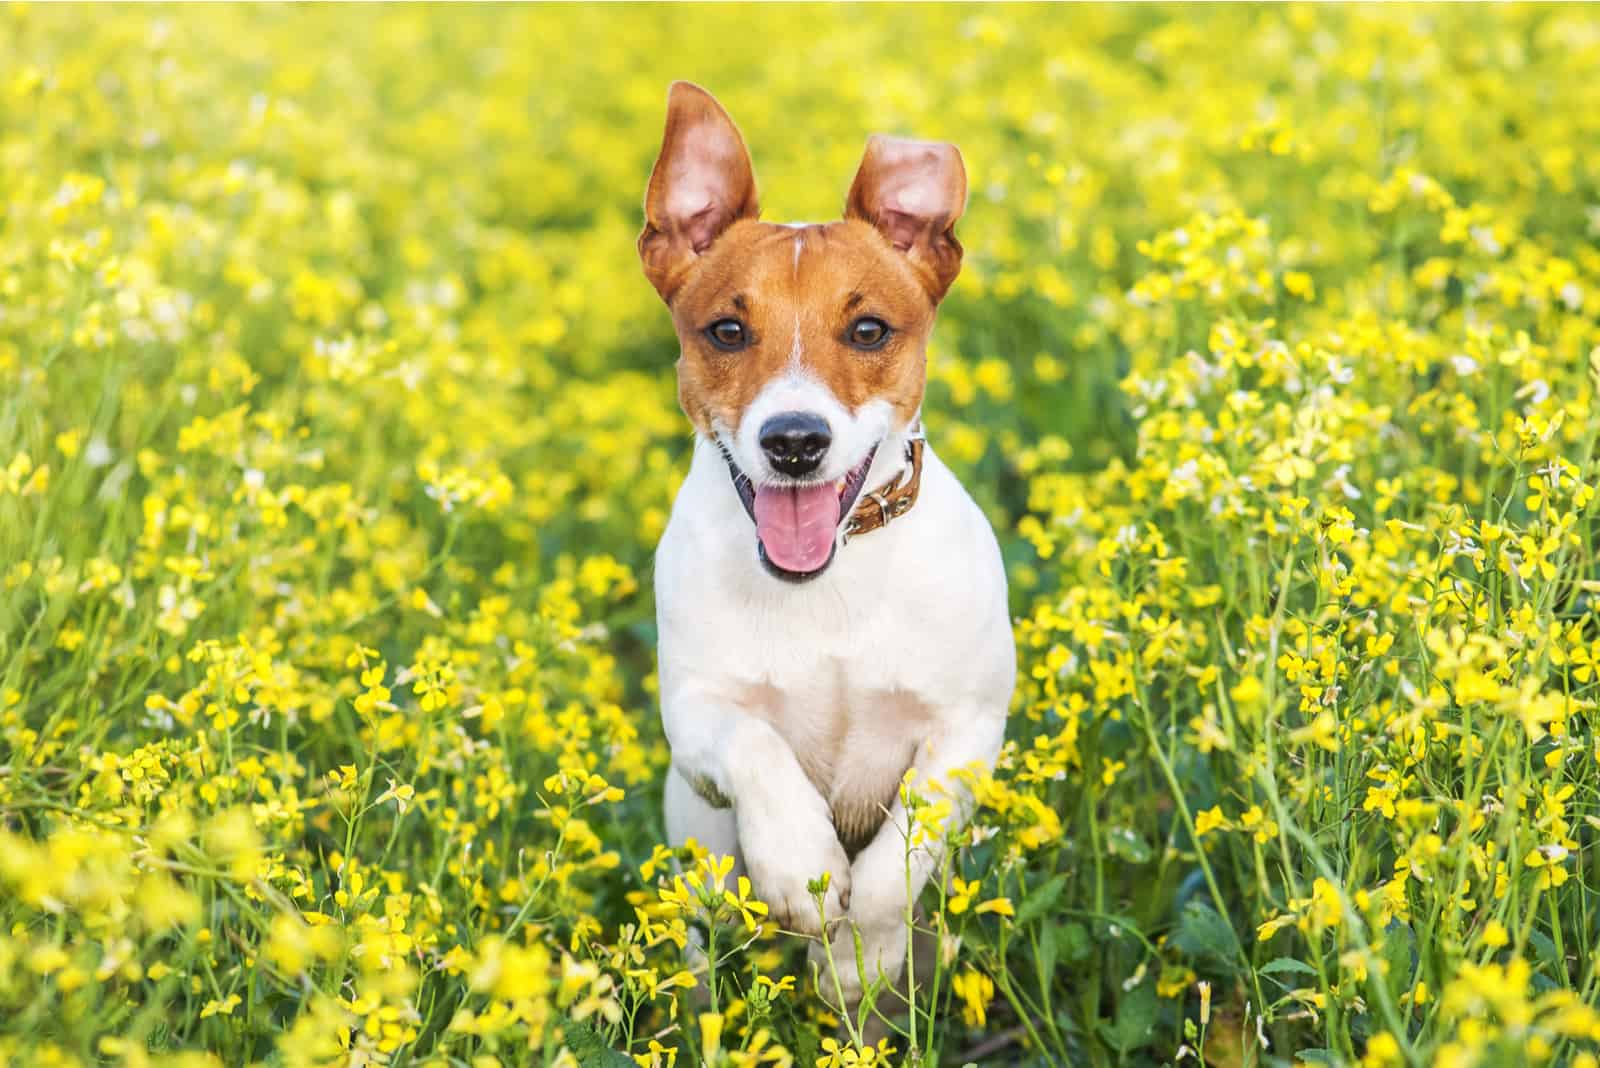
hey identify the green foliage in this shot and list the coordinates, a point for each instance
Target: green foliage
(337, 426)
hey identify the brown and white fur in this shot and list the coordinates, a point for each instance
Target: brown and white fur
(795, 699)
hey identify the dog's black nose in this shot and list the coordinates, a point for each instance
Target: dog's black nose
(795, 442)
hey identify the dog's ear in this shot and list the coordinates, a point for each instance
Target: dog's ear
(913, 192)
(702, 184)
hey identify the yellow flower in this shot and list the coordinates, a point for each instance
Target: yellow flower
(223, 1007)
(1247, 693)
(1299, 284)
(1000, 905)
(1208, 820)
(973, 991)
(340, 431)
(1547, 861)
(400, 793)
(710, 1035)
(749, 909)
(1323, 908)
(961, 895)
(1382, 1049)
(1255, 821)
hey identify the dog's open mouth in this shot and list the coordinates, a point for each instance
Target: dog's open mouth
(797, 524)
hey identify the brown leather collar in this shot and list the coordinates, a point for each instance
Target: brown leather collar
(894, 500)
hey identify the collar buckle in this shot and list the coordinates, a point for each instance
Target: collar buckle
(894, 499)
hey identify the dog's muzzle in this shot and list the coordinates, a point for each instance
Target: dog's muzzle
(805, 523)
(798, 524)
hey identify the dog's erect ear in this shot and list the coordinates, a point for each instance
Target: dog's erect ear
(913, 192)
(702, 184)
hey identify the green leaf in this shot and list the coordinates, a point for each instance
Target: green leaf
(1050, 939)
(1286, 964)
(1203, 933)
(1397, 943)
(1134, 1025)
(1125, 843)
(590, 1049)
(1040, 900)
(1073, 940)
(1544, 948)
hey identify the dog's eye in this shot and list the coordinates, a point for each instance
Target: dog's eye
(868, 332)
(727, 334)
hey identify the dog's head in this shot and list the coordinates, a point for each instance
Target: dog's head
(803, 346)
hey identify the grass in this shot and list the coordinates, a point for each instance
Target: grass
(337, 427)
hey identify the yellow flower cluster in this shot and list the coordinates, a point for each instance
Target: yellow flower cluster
(337, 426)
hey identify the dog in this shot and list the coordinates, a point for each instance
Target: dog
(831, 604)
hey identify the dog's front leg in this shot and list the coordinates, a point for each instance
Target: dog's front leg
(888, 875)
(785, 828)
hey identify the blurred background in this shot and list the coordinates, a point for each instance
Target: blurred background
(338, 425)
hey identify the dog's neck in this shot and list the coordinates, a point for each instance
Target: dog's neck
(880, 505)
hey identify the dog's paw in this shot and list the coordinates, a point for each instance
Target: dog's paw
(783, 870)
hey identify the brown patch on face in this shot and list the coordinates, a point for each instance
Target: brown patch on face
(798, 311)
(797, 290)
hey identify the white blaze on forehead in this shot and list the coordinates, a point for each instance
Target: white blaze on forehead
(797, 348)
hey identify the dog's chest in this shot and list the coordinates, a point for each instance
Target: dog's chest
(855, 670)
(853, 736)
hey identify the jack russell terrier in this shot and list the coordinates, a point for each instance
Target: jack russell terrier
(831, 604)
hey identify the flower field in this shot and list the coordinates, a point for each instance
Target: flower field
(338, 425)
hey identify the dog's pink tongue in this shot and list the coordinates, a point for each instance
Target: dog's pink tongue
(796, 526)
